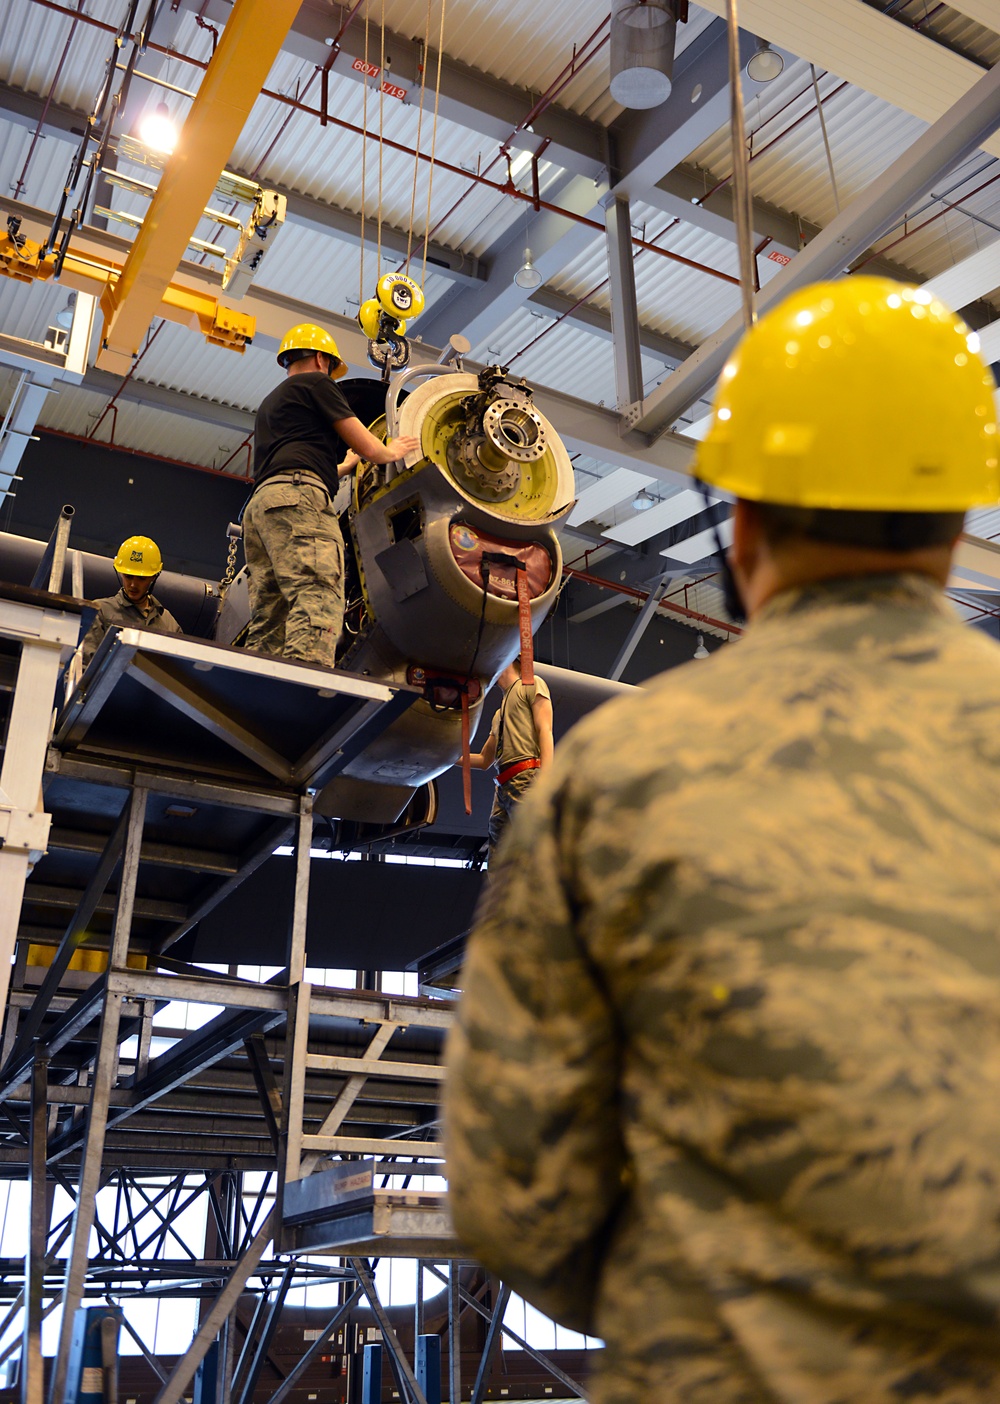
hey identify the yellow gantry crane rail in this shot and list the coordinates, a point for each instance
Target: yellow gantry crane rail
(145, 285)
(21, 258)
(249, 45)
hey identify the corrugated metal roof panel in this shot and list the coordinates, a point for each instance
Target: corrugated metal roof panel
(28, 309)
(143, 429)
(789, 167)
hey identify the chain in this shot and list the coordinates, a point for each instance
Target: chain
(230, 574)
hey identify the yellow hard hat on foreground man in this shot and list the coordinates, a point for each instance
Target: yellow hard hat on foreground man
(723, 1086)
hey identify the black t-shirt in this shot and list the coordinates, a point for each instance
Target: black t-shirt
(295, 428)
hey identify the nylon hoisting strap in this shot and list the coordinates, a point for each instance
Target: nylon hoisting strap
(524, 614)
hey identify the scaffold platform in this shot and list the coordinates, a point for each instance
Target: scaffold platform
(167, 776)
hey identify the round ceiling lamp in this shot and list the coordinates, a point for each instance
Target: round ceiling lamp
(157, 130)
(765, 65)
(528, 276)
(642, 51)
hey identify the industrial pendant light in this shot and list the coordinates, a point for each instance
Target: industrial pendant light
(158, 131)
(528, 276)
(764, 65)
(642, 51)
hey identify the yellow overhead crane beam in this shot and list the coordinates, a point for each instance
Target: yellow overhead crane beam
(21, 258)
(144, 286)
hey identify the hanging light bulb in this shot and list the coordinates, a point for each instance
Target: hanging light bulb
(642, 51)
(642, 501)
(765, 65)
(157, 130)
(701, 651)
(528, 276)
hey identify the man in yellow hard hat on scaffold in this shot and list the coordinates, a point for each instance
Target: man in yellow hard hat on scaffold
(306, 437)
(138, 564)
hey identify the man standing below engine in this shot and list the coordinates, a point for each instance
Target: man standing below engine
(306, 437)
(723, 1087)
(519, 745)
(138, 564)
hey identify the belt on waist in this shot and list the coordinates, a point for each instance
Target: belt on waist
(295, 476)
(510, 771)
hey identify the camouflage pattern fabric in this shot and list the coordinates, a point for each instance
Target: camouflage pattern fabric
(725, 1086)
(295, 557)
(119, 611)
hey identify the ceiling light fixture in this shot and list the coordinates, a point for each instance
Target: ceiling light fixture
(643, 501)
(528, 276)
(701, 651)
(642, 51)
(765, 64)
(64, 317)
(157, 130)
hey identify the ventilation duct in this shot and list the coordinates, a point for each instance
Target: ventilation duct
(642, 51)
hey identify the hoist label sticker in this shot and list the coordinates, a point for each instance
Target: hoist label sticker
(393, 91)
(370, 70)
(781, 258)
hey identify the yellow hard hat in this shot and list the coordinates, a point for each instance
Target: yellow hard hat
(400, 295)
(138, 556)
(308, 337)
(859, 395)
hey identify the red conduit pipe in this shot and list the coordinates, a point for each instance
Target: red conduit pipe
(504, 189)
(142, 453)
(545, 101)
(644, 595)
(19, 183)
(125, 380)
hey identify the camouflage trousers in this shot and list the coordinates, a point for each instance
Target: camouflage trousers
(506, 798)
(295, 559)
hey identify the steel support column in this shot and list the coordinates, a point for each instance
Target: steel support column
(105, 1068)
(639, 626)
(624, 309)
(319, 1345)
(183, 1371)
(44, 636)
(454, 1334)
(267, 1330)
(32, 1364)
(944, 145)
(494, 1335)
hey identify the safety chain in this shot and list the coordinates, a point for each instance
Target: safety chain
(234, 531)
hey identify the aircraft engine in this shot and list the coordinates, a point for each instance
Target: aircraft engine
(438, 544)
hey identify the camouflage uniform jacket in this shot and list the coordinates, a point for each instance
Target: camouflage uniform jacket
(119, 611)
(725, 1085)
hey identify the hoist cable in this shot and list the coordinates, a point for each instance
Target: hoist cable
(741, 171)
(364, 161)
(826, 139)
(420, 119)
(430, 175)
(381, 130)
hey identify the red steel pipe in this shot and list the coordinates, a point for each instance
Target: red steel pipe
(644, 595)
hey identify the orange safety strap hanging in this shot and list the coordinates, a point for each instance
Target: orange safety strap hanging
(524, 614)
(466, 757)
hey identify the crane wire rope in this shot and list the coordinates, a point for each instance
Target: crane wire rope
(826, 138)
(741, 171)
(420, 120)
(364, 160)
(381, 135)
(430, 175)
